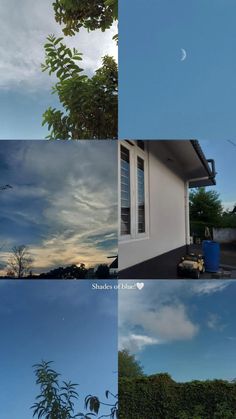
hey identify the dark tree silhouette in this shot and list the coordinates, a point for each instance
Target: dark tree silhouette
(102, 271)
(69, 272)
(20, 261)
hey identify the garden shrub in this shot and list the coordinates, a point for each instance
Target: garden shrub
(158, 396)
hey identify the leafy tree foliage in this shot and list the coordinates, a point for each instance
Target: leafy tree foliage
(57, 400)
(91, 106)
(92, 14)
(20, 262)
(205, 211)
(205, 206)
(128, 366)
(228, 219)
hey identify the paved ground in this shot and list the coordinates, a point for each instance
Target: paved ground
(221, 274)
(227, 262)
(165, 266)
(160, 267)
(228, 255)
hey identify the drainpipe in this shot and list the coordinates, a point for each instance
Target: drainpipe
(213, 168)
(187, 218)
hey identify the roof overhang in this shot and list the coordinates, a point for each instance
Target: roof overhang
(186, 158)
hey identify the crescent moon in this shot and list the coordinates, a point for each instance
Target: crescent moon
(184, 54)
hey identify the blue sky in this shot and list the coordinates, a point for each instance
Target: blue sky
(161, 96)
(224, 154)
(21, 113)
(62, 205)
(53, 320)
(25, 92)
(185, 328)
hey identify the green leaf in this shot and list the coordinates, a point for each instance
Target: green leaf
(57, 41)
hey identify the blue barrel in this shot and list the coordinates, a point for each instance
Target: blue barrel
(211, 253)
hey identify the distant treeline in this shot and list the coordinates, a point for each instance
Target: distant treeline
(160, 397)
(72, 272)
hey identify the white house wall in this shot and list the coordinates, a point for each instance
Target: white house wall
(167, 216)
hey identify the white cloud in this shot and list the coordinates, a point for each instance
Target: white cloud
(169, 323)
(24, 29)
(154, 313)
(135, 343)
(161, 311)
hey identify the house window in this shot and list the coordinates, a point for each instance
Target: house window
(125, 191)
(141, 195)
(133, 191)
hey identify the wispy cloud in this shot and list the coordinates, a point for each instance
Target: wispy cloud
(214, 322)
(209, 287)
(23, 35)
(232, 338)
(62, 204)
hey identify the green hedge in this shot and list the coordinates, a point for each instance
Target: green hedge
(158, 396)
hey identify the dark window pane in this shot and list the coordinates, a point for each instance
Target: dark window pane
(141, 196)
(125, 190)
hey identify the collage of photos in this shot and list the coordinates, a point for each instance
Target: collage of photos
(118, 209)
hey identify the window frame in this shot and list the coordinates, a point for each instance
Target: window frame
(130, 182)
(134, 152)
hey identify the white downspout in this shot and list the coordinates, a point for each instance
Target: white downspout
(187, 217)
